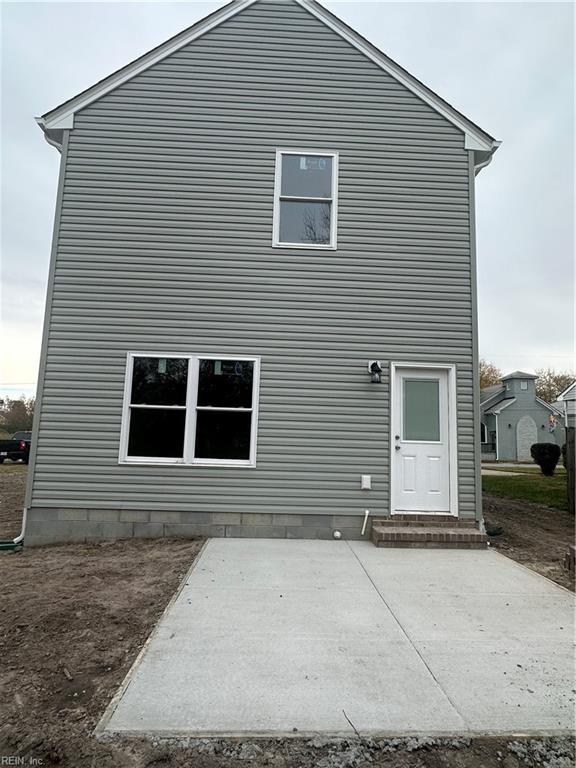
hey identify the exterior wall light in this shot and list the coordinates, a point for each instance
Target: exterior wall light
(375, 369)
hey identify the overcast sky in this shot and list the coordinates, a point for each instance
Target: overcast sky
(507, 66)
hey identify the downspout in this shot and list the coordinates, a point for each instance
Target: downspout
(18, 542)
(496, 417)
(62, 146)
(477, 430)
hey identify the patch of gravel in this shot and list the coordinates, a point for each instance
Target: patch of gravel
(551, 753)
(322, 752)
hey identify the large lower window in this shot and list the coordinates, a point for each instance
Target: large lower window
(305, 199)
(190, 410)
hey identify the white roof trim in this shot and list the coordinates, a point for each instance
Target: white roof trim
(550, 407)
(63, 116)
(475, 137)
(568, 389)
(53, 120)
(496, 394)
(499, 408)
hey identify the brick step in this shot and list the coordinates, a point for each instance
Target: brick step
(426, 518)
(428, 537)
(427, 523)
(430, 545)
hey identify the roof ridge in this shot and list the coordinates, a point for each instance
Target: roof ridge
(61, 118)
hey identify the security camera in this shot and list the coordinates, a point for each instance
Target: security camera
(375, 369)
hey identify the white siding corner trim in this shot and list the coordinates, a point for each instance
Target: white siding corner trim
(333, 244)
(188, 458)
(452, 427)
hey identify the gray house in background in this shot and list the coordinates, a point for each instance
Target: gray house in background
(261, 313)
(513, 418)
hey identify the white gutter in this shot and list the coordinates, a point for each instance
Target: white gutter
(47, 134)
(478, 166)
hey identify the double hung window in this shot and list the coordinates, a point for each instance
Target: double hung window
(305, 199)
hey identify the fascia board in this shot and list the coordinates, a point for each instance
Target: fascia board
(477, 138)
(58, 117)
(63, 117)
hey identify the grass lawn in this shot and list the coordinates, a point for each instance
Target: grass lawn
(549, 491)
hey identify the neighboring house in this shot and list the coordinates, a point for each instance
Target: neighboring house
(561, 400)
(248, 218)
(513, 418)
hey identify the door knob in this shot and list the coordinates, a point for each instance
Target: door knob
(397, 447)
(396, 437)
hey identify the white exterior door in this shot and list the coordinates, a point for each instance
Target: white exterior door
(420, 445)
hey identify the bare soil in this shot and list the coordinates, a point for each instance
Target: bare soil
(533, 535)
(72, 620)
(74, 617)
(12, 490)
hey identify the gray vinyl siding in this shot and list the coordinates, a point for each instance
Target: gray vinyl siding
(164, 245)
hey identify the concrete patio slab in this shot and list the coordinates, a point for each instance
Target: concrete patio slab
(301, 637)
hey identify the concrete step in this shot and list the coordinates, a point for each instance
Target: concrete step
(426, 521)
(433, 537)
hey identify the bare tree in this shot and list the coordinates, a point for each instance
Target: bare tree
(317, 229)
(16, 415)
(489, 374)
(551, 383)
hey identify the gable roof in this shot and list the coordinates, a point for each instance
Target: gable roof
(555, 410)
(568, 389)
(487, 393)
(54, 122)
(494, 410)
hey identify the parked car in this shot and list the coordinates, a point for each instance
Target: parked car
(27, 436)
(17, 448)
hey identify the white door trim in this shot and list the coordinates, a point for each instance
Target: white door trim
(452, 429)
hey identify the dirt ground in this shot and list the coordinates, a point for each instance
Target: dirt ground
(534, 535)
(12, 490)
(74, 617)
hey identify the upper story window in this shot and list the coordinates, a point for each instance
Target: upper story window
(190, 410)
(523, 385)
(305, 199)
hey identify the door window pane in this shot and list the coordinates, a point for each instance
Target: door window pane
(421, 410)
(306, 176)
(305, 222)
(225, 383)
(159, 381)
(223, 435)
(156, 432)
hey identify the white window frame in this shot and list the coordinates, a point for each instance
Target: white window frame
(191, 407)
(332, 245)
(524, 384)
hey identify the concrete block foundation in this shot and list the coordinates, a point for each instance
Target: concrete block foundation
(56, 525)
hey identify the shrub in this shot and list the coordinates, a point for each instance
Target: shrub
(546, 455)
